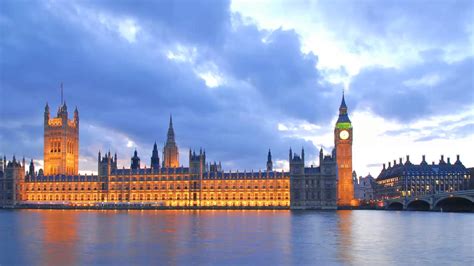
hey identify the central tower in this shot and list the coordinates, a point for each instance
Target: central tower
(170, 151)
(343, 143)
(61, 142)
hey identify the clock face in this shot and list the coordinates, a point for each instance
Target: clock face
(344, 134)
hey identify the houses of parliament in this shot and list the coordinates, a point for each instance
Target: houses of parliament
(167, 184)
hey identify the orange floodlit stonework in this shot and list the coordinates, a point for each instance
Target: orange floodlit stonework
(61, 143)
(343, 143)
(167, 184)
(173, 187)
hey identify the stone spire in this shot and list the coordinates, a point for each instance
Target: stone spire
(155, 159)
(321, 156)
(46, 114)
(170, 151)
(343, 119)
(32, 168)
(269, 161)
(135, 161)
(62, 94)
(170, 138)
(343, 107)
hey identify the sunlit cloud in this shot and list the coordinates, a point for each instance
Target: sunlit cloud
(182, 53)
(212, 79)
(426, 80)
(128, 29)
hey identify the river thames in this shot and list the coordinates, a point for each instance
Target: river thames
(64, 237)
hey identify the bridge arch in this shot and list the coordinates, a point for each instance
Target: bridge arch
(455, 203)
(418, 205)
(395, 205)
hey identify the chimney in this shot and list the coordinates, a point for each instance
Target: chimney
(423, 158)
(389, 165)
(394, 162)
(400, 160)
(408, 158)
(442, 157)
(449, 160)
(383, 166)
(457, 158)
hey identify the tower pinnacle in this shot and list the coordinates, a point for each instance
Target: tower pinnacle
(343, 107)
(62, 95)
(155, 159)
(269, 161)
(170, 150)
(343, 120)
(170, 138)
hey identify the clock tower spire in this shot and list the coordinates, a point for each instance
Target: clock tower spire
(343, 142)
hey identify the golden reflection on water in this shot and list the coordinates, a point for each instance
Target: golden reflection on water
(59, 239)
(344, 225)
(65, 237)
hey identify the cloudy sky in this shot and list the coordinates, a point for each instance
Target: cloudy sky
(241, 77)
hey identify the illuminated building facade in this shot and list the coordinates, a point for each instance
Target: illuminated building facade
(199, 185)
(408, 179)
(343, 144)
(61, 142)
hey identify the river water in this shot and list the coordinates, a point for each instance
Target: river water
(65, 237)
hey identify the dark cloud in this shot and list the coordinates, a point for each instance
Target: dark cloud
(129, 89)
(418, 91)
(193, 22)
(423, 22)
(285, 77)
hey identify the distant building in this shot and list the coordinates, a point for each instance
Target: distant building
(12, 176)
(471, 178)
(366, 188)
(2, 167)
(363, 187)
(357, 189)
(408, 179)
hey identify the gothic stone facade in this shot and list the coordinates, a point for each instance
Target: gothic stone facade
(313, 187)
(12, 175)
(198, 185)
(343, 142)
(61, 142)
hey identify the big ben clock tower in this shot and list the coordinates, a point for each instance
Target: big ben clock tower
(343, 143)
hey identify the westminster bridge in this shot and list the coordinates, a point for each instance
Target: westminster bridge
(446, 201)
